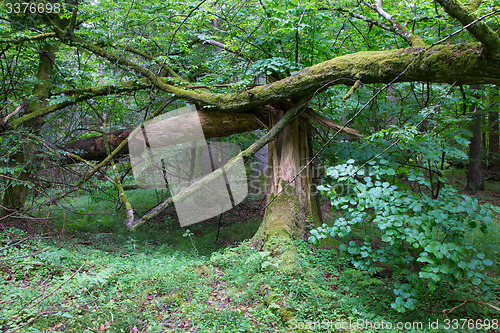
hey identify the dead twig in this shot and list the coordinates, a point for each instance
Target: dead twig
(447, 311)
(10, 240)
(10, 115)
(28, 255)
(38, 264)
(57, 288)
(40, 315)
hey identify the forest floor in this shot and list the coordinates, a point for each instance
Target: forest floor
(161, 278)
(491, 193)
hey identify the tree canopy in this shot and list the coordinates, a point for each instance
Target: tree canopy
(74, 69)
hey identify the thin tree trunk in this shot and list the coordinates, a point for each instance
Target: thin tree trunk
(475, 179)
(494, 142)
(15, 195)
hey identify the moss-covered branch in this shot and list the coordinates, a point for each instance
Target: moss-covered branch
(78, 95)
(170, 85)
(117, 183)
(73, 39)
(166, 68)
(23, 39)
(480, 30)
(461, 63)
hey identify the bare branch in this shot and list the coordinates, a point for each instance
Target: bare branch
(369, 20)
(465, 27)
(114, 153)
(352, 90)
(57, 288)
(227, 49)
(381, 11)
(78, 95)
(330, 124)
(398, 28)
(168, 69)
(12, 114)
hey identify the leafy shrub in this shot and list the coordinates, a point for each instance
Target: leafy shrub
(420, 238)
(273, 65)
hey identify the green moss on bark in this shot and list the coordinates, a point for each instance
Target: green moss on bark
(284, 218)
(368, 67)
(15, 195)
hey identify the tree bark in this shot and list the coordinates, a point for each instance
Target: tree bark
(214, 124)
(271, 134)
(475, 181)
(291, 198)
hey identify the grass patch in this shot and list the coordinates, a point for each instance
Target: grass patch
(112, 282)
(96, 277)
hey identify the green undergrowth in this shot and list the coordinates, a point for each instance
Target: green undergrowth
(112, 282)
(101, 211)
(94, 276)
(91, 215)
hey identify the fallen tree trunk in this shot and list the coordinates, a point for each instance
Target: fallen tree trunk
(214, 124)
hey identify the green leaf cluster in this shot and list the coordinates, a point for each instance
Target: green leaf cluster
(423, 240)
